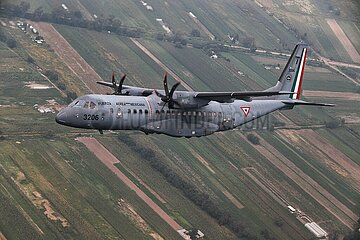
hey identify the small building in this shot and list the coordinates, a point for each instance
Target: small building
(316, 230)
(192, 15)
(39, 40)
(64, 7)
(291, 209)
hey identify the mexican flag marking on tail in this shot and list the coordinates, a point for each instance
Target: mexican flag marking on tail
(299, 76)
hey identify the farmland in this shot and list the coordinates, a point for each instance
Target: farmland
(302, 162)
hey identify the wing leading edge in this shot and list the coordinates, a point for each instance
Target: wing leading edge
(222, 96)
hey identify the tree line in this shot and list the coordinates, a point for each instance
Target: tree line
(60, 15)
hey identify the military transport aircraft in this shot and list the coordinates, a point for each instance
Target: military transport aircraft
(185, 113)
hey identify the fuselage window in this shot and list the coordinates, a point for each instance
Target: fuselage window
(135, 111)
(146, 111)
(157, 112)
(119, 113)
(140, 111)
(129, 111)
(112, 110)
(204, 113)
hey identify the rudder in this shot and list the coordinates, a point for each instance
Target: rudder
(291, 78)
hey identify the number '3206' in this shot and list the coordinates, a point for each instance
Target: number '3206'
(91, 117)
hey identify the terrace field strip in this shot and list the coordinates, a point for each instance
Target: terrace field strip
(349, 47)
(341, 163)
(352, 32)
(305, 157)
(345, 215)
(345, 140)
(130, 13)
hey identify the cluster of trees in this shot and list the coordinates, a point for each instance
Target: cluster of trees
(199, 198)
(335, 123)
(2, 138)
(253, 139)
(178, 39)
(355, 234)
(72, 18)
(9, 40)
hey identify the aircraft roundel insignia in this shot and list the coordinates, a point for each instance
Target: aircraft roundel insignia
(246, 110)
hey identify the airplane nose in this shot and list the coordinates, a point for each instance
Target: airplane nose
(61, 117)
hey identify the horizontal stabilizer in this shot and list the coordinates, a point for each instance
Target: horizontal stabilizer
(108, 84)
(300, 102)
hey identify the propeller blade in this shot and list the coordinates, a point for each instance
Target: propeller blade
(166, 88)
(119, 88)
(113, 80)
(173, 90)
(159, 94)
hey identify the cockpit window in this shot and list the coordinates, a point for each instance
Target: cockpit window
(89, 105)
(76, 103)
(92, 105)
(86, 104)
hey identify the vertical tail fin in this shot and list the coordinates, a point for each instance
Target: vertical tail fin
(291, 78)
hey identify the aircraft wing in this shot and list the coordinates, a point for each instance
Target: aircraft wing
(223, 96)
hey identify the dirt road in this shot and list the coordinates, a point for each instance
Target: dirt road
(108, 159)
(349, 47)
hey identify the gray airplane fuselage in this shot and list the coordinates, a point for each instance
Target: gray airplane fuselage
(182, 113)
(147, 114)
